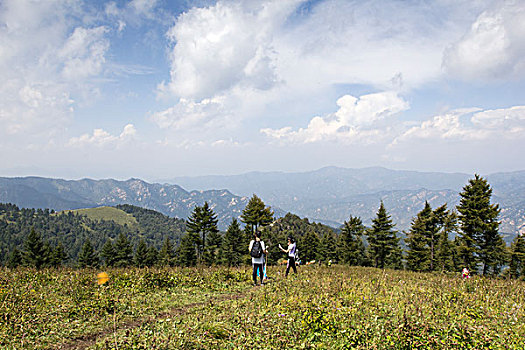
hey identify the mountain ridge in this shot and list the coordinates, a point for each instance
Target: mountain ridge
(327, 195)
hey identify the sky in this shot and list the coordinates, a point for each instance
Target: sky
(157, 89)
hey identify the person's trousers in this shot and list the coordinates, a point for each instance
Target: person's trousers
(291, 263)
(255, 267)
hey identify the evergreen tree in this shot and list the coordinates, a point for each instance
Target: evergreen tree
(256, 214)
(166, 255)
(108, 253)
(445, 251)
(48, 252)
(309, 247)
(152, 256)
(233, 246)
(35, 251)
(351, 247)
(418, 254)
(186, 255)
(14, 259)
(481, 241)
(58, 256)
(517, 257)
(212, 252)
(202, 221)
(141, 254)
(87, 257)
(328, 246)
(383, 244)
(123, 251)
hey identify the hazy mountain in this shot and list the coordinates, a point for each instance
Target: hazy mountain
(330, 195)
(171, 200)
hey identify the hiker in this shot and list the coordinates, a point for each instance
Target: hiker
(466, 273)
(291, 255)
(257, 251)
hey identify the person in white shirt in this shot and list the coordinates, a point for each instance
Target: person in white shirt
(257, 251)
(291, 255)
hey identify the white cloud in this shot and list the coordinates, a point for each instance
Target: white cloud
(103, 139)
(47, 64)
(256, 54)
(190, 114)
(221, 46)
(493, 48)
(357, 119)
(469, 124)
(83, 54)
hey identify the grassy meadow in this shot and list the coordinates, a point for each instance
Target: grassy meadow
(336, 307)
(118, 216)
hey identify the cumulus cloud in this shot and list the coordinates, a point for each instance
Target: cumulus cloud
(259, 53)
(101, 138)
(493, 48)
(357, 119)
(221, 46)
(469, 124)
(190, 114)
(45, 60)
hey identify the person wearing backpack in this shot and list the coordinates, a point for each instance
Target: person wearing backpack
(257, 251)
(292, 248)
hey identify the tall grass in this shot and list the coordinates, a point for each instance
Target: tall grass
(319, 308)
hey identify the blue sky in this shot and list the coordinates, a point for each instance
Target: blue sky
(156, 89)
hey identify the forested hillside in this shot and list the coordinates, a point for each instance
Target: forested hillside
(171, 200)
(71, 229)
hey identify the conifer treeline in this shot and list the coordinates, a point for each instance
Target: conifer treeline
(476, 242)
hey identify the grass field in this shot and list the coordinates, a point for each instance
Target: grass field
(217, 308)
(107, 213)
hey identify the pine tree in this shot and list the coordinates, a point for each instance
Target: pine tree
(166, 255)
(256, 214)
(382, 240)
(186, 255)
(213, 246)
(202, 221)
(481, 241)
(309, 247)
(14, 259)
(87, 257)
(351, 248)
(328, 246)
(152, 256)
(58, 255)
(141, 254)
(108, 253)
(35, 251)
(418, 238)
(123, 251)
(232, 245)
(517, 257)
(445, 250)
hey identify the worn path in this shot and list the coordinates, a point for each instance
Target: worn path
(86, 341)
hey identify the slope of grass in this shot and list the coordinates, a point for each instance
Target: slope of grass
(339, 307)
(109, 214)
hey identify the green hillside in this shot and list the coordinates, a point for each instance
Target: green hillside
(118, 216)
(73, 228)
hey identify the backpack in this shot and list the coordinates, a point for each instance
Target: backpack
(256, 251)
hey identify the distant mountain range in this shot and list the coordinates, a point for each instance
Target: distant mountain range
(328, 195)
(171, 200)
